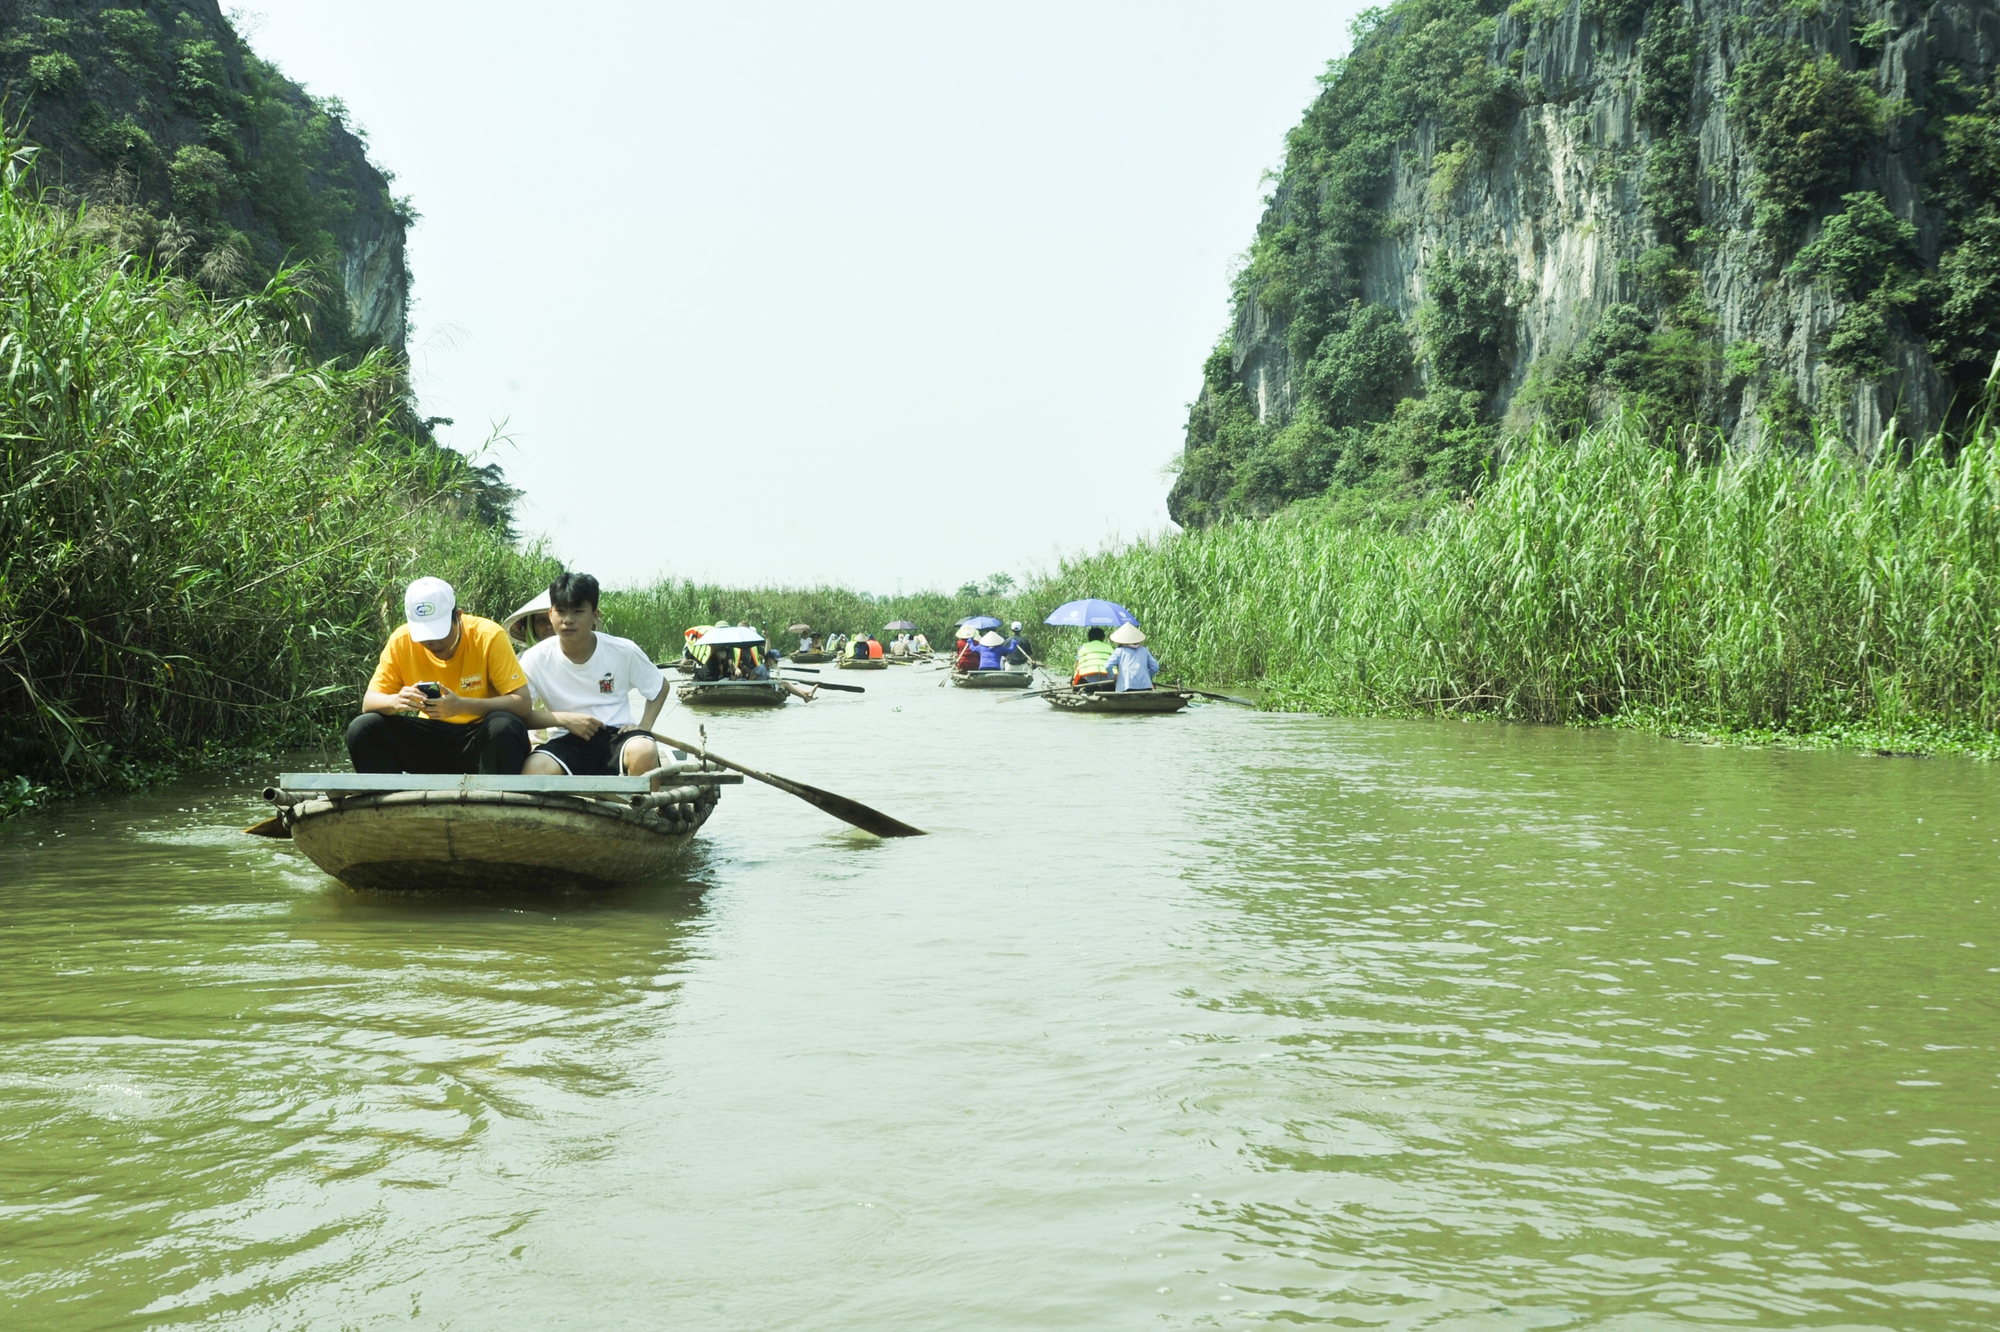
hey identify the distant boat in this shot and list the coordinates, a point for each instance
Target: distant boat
(863, 664)
(993, 679)
(734, 693)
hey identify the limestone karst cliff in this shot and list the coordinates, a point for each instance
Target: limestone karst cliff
(1758, 223)
(197, 154)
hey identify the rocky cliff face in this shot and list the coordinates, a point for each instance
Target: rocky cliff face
(206, 159)
(1734, 212)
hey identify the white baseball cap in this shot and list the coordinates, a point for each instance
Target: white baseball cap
(428, 605)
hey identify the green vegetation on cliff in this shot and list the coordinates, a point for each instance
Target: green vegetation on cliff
(1378, 356)
(207, 161)
(203, 531)
(1421, 62)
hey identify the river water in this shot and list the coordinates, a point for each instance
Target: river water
(1222, 1020)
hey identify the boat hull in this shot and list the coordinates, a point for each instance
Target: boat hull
(993, 679)
(734, 694)
(863, 664)
(809, 658)
(1132, 701)
(496, 841)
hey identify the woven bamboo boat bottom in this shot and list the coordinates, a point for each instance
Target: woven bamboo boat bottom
(1110, 701)
(493, 840)
(734, 694)
(993, 679)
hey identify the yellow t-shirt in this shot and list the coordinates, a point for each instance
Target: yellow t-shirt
(483, 667)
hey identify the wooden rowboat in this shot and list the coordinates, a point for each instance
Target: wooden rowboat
(734, 693)
(1131, 701)
(863, 664)
(993, 679)
(450, 832)
(808, 658)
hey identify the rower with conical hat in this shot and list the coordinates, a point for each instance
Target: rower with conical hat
(1132, 663)
(991, 650)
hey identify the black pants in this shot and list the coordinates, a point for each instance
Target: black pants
(384, 742)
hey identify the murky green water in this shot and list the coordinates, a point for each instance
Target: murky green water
(1220, 1020)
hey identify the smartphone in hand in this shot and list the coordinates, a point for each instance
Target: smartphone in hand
(429, 689)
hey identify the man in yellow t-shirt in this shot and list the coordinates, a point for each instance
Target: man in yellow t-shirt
(459, 675)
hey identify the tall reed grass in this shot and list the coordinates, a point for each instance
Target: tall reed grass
(1607, 579)
(202, 533)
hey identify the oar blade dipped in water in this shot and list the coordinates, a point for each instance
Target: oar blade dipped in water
(842, 808)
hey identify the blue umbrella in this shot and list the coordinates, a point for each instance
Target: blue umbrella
(979, 622)
(1091, 611)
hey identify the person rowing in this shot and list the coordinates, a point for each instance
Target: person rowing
(584, 680)
(752, 664)
(1018, 649)
(1132, 664)
(991, 650)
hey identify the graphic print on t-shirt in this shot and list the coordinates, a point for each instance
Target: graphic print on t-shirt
(604, 682)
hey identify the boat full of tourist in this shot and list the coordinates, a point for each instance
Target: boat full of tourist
(733, 670)
(864, 652)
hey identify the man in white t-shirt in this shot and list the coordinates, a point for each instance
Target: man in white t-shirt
(581, 681)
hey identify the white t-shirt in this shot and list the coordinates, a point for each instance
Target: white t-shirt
(600, 686)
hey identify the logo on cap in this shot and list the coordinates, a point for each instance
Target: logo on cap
(423, 610)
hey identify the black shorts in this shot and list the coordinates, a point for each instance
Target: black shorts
(595, 757)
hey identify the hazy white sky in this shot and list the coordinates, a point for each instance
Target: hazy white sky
(889, 294)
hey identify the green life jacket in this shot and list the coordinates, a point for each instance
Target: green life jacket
(1093, 658)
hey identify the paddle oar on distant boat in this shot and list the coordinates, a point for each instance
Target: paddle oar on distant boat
(828, 684)
(1220, 698)
(848, 811)
(1100, 687)
(1044, 693)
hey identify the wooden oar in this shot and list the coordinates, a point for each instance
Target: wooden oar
(1220, 698)
(848, 811)
(1044, 693)
(828, 684)
(809, 670)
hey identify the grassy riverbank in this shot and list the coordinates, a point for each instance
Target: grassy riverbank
(1805, 599)
(203, 533)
